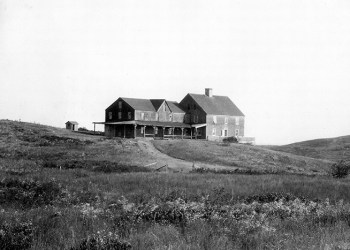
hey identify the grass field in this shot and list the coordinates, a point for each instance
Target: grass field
(64, 190)
(254, 158)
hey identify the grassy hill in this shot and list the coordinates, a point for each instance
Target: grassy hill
(64, 190)
(254, 158)
(333, 149)
(36, 146)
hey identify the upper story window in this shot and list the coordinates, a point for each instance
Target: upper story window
(129, 116)
(214, 131)
(120, 104)
(110, 115)
(157, 116)
(194, 106)
(119, 115)
(188, 106)
(195, 118)
(237, 120)
(236, 132)
(142, 116)
(214, 119)
(170, 117)
(226, 119)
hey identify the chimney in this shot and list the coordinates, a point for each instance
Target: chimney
(209, 92)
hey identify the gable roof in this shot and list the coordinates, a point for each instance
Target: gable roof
(216, 105)
(72, 122)
(175, 107)
(139, 104)
(157, 103)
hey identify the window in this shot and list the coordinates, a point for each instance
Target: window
(142, 130)
(188, 106)
(119, 115)
(225, 132)
(194, 106)
(237, 132)
(156, 130)
(170, 117)
(214, 131)
(226, 119)
(120, 103)
(237, 120)
(195, 118)
(110, 115)
(129, 116)
(157, 116)
(214, 119)
(170, 131)
(142, 116)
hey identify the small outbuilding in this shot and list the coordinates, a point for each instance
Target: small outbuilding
(72, 125)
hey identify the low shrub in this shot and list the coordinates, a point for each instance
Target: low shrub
(16, 236)
(28, 192)
(340, 169)
(231, 139)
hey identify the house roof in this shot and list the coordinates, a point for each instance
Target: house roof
(157, 103)
(152, 104)
(217, 105)
(175, 107)
(72, 122)
(140, 104)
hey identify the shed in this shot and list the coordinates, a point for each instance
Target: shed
(72, 125)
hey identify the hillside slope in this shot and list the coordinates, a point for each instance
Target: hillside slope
(254, 158)
(34, 146)
(333, 149)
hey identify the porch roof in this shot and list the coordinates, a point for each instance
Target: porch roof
(149, 123)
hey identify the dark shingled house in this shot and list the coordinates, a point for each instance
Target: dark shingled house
(197, 116)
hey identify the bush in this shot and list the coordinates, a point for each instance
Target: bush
(231, 139)
(16, 235)
(340, 169)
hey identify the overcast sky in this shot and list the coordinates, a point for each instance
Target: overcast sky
(285, 64)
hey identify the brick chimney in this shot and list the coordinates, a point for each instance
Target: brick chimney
(209, 92)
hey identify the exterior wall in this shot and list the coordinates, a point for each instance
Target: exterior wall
(71, 126)
(114, 109)
(194, 114)
(220, 125)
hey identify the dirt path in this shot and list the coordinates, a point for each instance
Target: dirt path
(173, 164)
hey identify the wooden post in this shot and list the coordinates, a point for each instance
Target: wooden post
(173, 133)
(191, 134)
(94, 128)
(154, 132)
(135, 126)
(144, 131)
(124, 130)
(163, 128)
(182, 133)
(196, 132)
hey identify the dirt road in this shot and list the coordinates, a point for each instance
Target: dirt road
(166, 163)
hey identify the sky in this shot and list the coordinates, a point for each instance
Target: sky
(284, 63)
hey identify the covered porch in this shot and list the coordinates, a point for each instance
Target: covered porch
(154, 129)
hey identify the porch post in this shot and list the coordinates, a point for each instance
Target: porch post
(124, 130)
(196, 132)
(163, 129)
(191, 133)
(135, 126)
(182, 133)
(154, 132)
(173, 133)
(94, 128)
(144, 131)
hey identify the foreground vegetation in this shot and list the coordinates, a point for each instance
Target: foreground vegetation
(62, 190)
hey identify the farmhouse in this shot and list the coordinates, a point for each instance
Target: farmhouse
(197, 116)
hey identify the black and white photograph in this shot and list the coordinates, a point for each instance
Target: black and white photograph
(174, 124)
